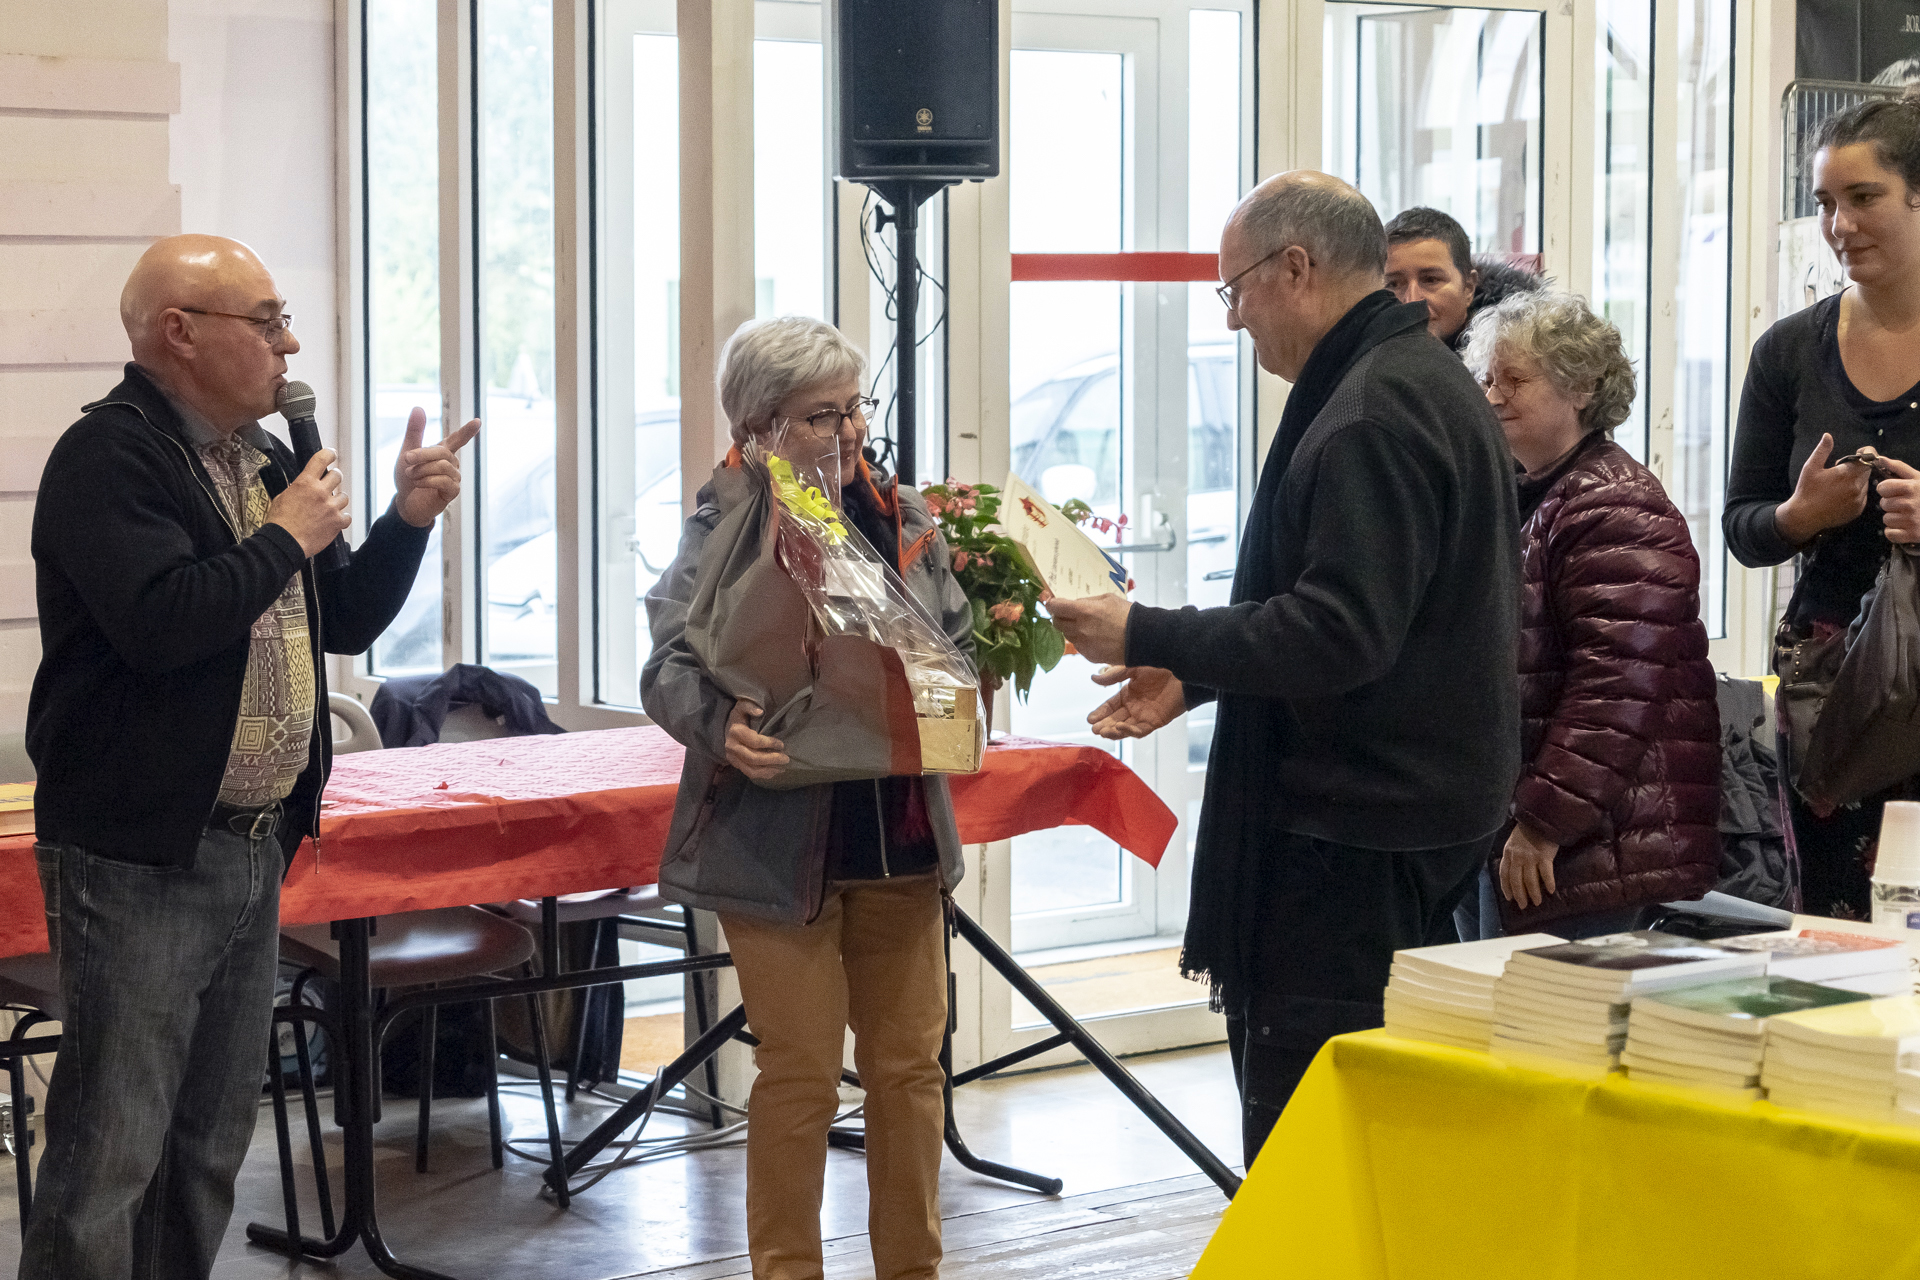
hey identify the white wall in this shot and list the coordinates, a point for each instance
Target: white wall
(253, 152)
(85, 93)
(121, 121)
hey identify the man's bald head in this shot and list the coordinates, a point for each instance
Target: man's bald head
(195, 309)
(193, 273)
(1333, 222)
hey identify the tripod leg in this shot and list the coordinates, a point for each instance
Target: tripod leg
(1109, 1066)
(955, 1143)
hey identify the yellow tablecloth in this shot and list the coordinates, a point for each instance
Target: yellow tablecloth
(1400, 1160)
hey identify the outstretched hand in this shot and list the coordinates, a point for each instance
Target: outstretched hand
(1150, 698)
(426, 480)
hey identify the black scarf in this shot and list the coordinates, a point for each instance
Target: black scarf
(1227, 880)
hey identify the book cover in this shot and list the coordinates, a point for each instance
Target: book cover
(1880, 1028)
(1058, 551)
(1741, 1003)
(1483, 960)
(1642, 960)
(1814, 954)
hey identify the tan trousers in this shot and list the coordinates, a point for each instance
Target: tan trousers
(872, 961)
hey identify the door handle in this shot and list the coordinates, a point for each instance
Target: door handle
(1166, 539)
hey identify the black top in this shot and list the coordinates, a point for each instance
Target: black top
(1797, 389)
(879, 826)
(147, 602)
(1365, 669)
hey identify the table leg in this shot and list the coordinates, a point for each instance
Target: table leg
(354, 1077)
(1071, 1032)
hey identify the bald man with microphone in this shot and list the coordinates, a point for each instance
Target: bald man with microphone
(179, 728)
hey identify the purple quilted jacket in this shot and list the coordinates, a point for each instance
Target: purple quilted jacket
(1621, 732)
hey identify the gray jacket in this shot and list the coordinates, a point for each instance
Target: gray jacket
(734, 846)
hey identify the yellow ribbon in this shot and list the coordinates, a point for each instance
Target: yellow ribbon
(804, 501)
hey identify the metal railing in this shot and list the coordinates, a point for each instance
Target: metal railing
(1804, 107)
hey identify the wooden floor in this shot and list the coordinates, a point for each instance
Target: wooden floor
(1154, 1231)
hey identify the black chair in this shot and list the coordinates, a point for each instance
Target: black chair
(30, 987)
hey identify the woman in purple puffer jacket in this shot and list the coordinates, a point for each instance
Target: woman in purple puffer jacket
(1618, 803)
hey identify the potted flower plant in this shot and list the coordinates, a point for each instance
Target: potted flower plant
(1011, 641)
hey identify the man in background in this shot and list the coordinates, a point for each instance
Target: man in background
(179, 727)
(1430, 260)
(1368, 729)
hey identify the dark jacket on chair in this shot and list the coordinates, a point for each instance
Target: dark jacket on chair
(146, 605)
(1621, 724)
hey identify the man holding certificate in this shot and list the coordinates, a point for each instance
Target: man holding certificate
(1368, 727)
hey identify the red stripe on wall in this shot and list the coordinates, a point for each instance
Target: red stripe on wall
(1165, 267)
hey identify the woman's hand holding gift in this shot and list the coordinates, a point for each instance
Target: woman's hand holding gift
(754, 754)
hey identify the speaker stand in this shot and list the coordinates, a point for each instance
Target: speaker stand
(904, 197)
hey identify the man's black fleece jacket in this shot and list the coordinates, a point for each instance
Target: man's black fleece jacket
(1366, 669)
(147, 601)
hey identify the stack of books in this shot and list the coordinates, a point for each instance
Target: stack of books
(1852, 961)
(1445, 994)
(1566, 1006)
(1855, 1059)
(1714, 1035)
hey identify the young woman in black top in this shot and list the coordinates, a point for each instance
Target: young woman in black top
(1842, 375)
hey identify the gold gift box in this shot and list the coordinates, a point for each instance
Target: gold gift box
(953, 742)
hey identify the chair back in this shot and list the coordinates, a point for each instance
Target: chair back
(353, 728)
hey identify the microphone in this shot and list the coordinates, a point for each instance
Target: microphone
(296, 404)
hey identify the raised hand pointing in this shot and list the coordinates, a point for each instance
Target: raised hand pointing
(426, 479)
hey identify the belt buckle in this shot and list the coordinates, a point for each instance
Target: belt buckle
(260, 827)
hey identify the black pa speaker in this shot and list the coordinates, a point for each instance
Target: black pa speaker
(915, 89)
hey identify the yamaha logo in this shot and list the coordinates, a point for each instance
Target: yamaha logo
(923, 118)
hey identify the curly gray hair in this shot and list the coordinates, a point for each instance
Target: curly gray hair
(765, 361)
(1578, 351)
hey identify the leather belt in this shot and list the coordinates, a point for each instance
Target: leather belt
(255, 824)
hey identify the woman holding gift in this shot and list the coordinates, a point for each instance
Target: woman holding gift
(831, 895)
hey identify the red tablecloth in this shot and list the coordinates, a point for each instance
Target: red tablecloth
(523, 817)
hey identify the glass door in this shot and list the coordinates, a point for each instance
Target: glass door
(1130, 142)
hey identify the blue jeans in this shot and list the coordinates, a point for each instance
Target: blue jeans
(168, 976)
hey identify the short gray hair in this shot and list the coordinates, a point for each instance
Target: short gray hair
(1576, 350)
(765, 361)
(1337, 226)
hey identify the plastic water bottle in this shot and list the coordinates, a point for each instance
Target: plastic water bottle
(1896, 873)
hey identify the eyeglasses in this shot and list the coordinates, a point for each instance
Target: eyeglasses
(1508, 387)
(1229, 295)
(828, 422)
(271, 327)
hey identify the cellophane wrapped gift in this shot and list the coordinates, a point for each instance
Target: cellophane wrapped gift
(795, 611)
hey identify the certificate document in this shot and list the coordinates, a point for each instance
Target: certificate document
(1060, 554)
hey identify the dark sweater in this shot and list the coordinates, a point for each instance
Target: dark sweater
(1796, 390)
(1365, 669)
(146, 604)
(879, 826)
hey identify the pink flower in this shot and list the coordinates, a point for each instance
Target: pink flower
(1007, 612)
(936, 505)
(960, 560)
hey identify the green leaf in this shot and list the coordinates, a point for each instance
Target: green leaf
(1049, 646)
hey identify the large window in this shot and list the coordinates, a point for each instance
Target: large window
(1703, 159)
(1440, 107)
(637, 439)
(402, 293)
(519, 625)
(1623, 213)
(1126, 392)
